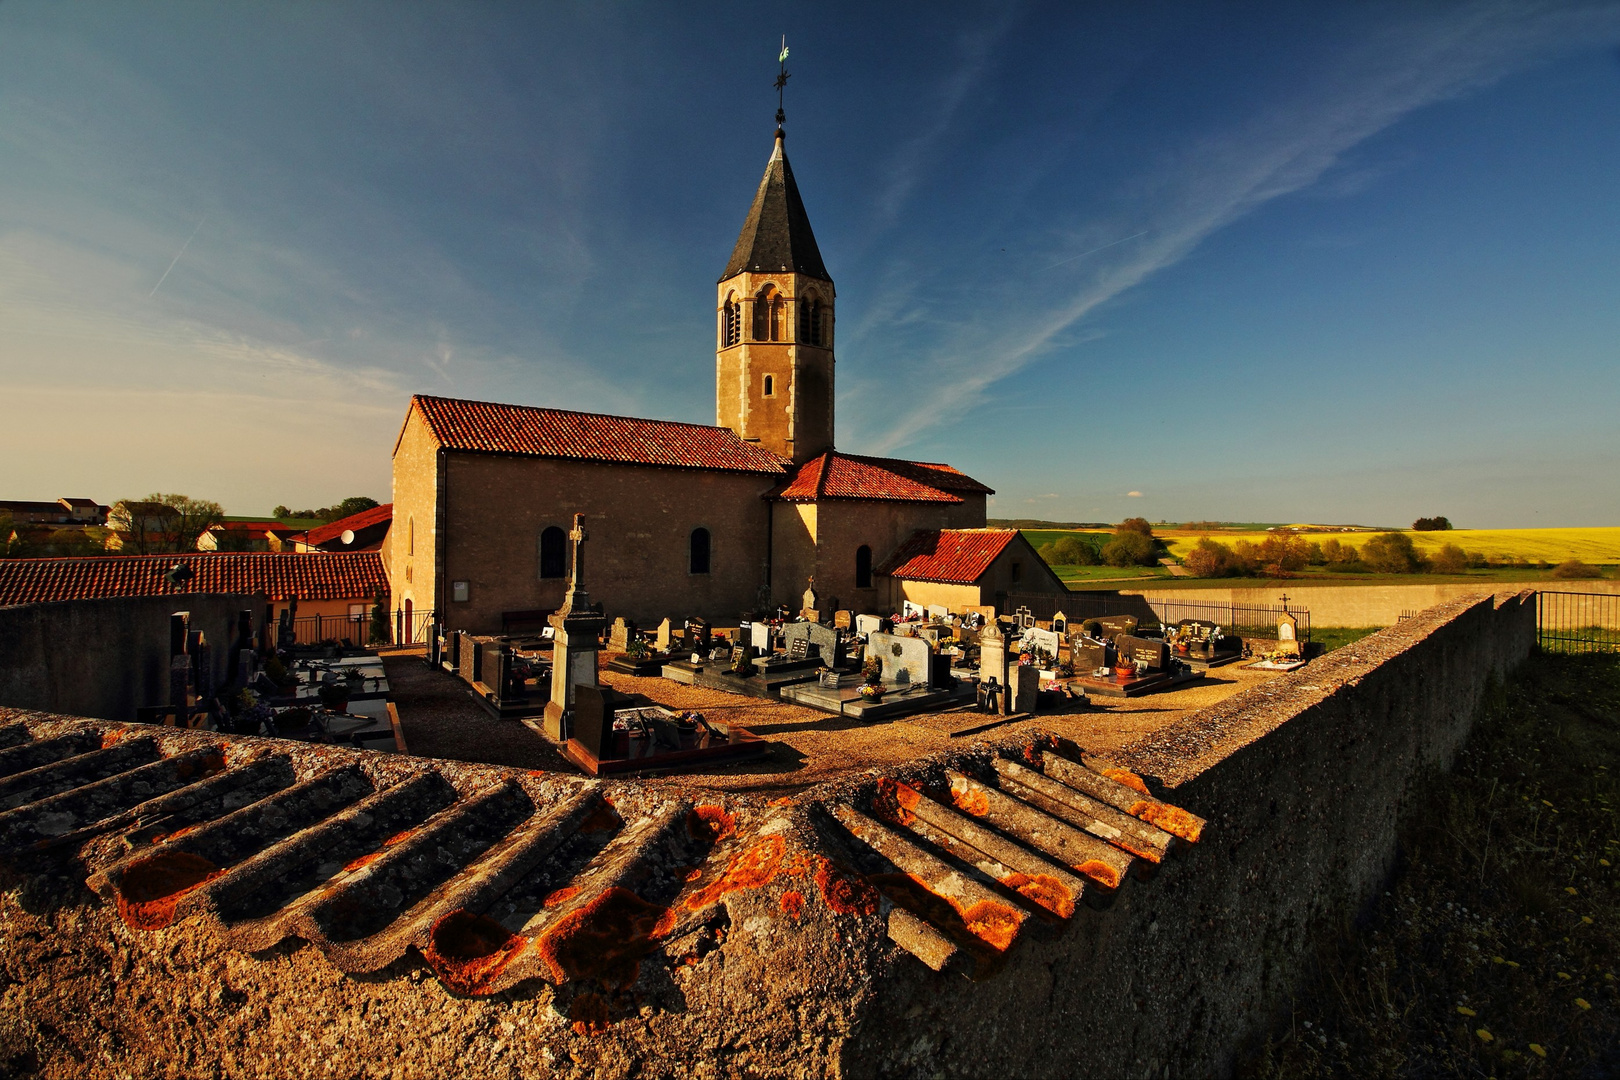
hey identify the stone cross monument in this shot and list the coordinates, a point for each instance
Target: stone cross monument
(579, 625)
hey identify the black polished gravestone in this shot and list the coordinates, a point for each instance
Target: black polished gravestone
(594, 707)
(1149, 654)
(1088, 654)
(1115, 625)
(1153, 669)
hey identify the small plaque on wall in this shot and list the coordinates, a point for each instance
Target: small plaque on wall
(460, 591)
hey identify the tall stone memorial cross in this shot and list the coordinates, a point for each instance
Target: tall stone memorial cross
(578, 627)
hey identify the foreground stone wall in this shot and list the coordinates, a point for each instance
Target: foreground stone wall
(792, 973)
(1302, 781)
(104, 658)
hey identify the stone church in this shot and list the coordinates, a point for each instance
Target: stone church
(687, 519)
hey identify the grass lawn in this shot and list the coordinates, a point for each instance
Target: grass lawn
(1337, 637)
(1494, 950)
(1113, 574)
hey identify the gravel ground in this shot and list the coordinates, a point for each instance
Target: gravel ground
(441, 719)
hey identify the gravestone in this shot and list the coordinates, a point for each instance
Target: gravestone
(1022, 685)
(578, 627)
(809, 600)
(1024, 617)
(1288, 635)
(1060, 622)
(843, 619)
(819, 641)
(1044, 640)
(665, 633)
(1087, 655)
(469, 668)
(1114, 625)
(593, 719)
(697, 635)
(1152, 656)
(759, 636)
(938, 611)
(992, 655)
(452, 651)
(828, 679)
(905, 659)
(908, 609)
(868, 624)
(619, 636)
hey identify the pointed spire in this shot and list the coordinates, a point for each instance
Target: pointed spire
(776, 236)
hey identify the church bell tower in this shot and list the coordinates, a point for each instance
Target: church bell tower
(774, 359)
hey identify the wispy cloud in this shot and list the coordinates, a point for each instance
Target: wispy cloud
(1212, 180)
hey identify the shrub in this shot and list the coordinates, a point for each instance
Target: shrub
(1315, 555)
(1338, 553)
(1574, 568)
(1069, 551)
(1431, 524)
(1129, 548)
(1287, 552)
(1210, 559)
(380, 634)
(1392, 553)
(1450, 560)
(1135, 525)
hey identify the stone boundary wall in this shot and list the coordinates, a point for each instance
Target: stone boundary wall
(1361, 605)
(104, 658)
(1302, 781)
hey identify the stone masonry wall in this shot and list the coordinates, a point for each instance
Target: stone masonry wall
(1302, 781)
(103, 658)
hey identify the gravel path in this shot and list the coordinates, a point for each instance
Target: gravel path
(440, 719)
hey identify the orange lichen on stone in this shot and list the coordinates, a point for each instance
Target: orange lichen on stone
(844, 894)
(150, 889)
(711, 823)
(749, 870)
(165, 838)
(366, 860)
(968, 800)
(694, 873)
(990, 921)
(1100, 872)
(111, 738)
(602, 819)
(469, 951)
(1172, 819)
(895, 801)
(786, 800)
(363, 861)
(605, 939)
(1126, 777)
(590, 1015)
(208, 766)
(800, 864)
(793, 904)
(1045, 890)
(566, 893)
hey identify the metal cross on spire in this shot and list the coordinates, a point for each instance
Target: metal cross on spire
(782, 77)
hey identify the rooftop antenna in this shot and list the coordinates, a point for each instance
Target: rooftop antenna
(781, 84)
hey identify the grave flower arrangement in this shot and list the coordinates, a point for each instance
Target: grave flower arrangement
(1065, 670)
(334, 695)
(638, 649)
(251, 714)
(872, 680)
(740, 664)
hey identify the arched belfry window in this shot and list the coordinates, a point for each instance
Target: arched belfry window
(769, 308)
(730, 323)
(553, 559)
(699, 560)
(770, 385)
(811, 320)
(863, 567)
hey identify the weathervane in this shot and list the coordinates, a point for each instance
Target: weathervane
(781, 82)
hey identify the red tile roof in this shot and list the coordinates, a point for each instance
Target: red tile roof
(365, 519)
(848, 476)
(278, 575)
(520, 429)
(957, 556)
(255, 527)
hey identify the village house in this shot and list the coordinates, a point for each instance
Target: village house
(685, 519)
(62, 512)
(365, 531)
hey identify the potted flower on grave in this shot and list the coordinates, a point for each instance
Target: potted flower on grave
(1065, 670)
(335, 696)
(1125, 669)
(872, 680)
(638, 649)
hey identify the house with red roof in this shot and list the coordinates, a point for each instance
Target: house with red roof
(965, 568)
(365, 531)
(687, 519)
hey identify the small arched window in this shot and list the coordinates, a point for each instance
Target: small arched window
(770, 385)
(863, 567)
(553, 561)
(730, 323)
(699, 560)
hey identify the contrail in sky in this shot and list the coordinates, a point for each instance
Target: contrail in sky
(177, 255)
(1082, 255)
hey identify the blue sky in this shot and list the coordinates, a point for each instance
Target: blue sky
(1317, 262)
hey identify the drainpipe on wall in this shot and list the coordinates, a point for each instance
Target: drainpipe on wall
(441, 512)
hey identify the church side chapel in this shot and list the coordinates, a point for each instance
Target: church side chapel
(688, 520)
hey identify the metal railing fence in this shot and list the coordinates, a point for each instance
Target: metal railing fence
(1257, 621)
(1575, 622)
(404, 628)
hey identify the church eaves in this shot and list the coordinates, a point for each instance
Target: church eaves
(776, 236)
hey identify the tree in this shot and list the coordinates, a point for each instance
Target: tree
(379, 620)
(1431, 524)
(1451, 559)
(1283, 553)
(1069, 551)
(1210, 559)
(164, 523)
(1135, 525)
(1129, 548)
(354, 504)
(1391, 553)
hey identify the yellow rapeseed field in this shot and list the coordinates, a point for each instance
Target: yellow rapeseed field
(1595, 546)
